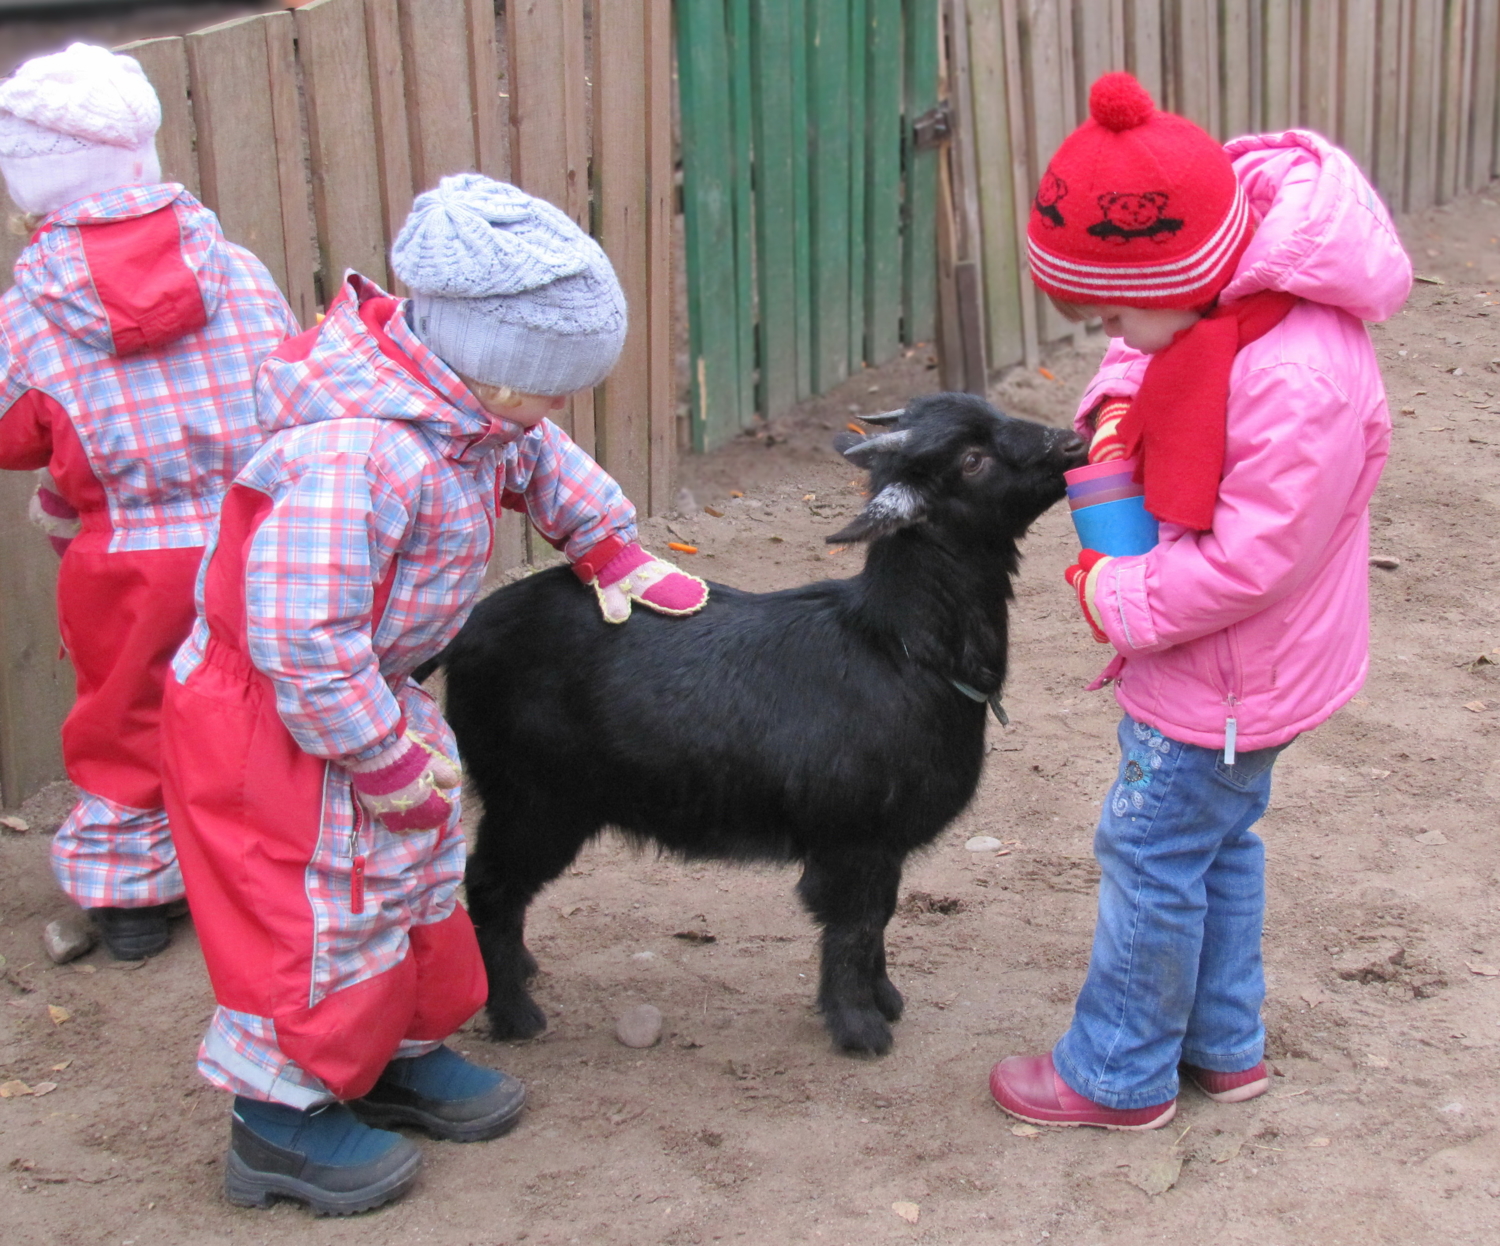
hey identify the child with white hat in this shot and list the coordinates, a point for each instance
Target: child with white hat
(127, 350)
(311, 782)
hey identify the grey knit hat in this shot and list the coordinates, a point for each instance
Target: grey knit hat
(507, 289)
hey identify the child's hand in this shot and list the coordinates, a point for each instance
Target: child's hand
(405, 785)
(1083, 575)
(52, 513)
(635, 575)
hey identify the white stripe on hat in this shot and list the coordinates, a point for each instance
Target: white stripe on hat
(1123, 282)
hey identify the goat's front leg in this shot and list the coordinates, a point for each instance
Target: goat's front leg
(852, 894)
(513, 859)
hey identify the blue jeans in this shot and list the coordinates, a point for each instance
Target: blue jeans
(1175, 973)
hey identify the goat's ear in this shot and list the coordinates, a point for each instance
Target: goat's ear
(844, 442)
(895, 507)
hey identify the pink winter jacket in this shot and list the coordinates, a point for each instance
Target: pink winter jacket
(1258, 629)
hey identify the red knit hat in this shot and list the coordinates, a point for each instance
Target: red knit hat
(1138, 207)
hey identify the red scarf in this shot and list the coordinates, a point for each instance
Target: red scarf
(1175, 426)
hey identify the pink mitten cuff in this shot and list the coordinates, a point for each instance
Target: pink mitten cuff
(634, 575)
(403, 785)
(52, 513)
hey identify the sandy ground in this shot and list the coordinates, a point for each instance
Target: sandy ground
(743, 1125)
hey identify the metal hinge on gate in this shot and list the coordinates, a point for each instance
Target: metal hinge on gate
(933, 127)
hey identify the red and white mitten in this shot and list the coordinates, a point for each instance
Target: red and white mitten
(631, 574)
(1107, 444)
(1083, 575)
(405, 785)
(51, 512)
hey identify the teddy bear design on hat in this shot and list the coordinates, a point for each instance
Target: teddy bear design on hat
(1138, 207)
(74, 124)
(507, 289)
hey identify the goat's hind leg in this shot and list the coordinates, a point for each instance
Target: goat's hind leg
(852, 894)
(516, 854)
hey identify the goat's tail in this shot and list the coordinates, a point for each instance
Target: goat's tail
(422, 672)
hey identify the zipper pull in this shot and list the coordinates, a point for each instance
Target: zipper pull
(357, 886)
(1231, 729)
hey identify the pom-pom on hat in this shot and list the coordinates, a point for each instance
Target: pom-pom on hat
(77, 123)
(507, 289)
(1138, 207)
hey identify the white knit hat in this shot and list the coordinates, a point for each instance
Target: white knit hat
(507, 289)
(74, 124)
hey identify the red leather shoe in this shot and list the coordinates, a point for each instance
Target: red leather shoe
(1029, 1087)
(1230, 1087)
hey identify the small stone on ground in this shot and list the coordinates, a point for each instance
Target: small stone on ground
(68, 938)
(639, 1026)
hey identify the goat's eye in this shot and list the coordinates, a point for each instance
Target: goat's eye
(974, 463)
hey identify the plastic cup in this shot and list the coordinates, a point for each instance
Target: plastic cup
(1109, 511)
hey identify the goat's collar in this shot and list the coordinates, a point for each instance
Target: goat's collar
(994, 700)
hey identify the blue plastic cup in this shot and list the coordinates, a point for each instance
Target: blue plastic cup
(1123, 526)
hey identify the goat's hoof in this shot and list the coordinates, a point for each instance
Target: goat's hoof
(888, 1000)
(859, 1030)
(519, 1019)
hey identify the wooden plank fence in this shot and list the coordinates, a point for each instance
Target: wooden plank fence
(1407, 87)
(309, 132)
(810, 212)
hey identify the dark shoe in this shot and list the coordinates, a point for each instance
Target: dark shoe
(133, 934)
(445, 1095)
(1030, 1088)
(324, 1157)
(1230, 1087)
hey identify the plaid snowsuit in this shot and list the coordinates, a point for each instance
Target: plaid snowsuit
(128, 347)
(350, 550)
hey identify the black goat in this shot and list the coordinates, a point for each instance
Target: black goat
(840, 724)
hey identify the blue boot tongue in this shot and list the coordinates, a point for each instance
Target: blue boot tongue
(441, 1075)
(329, 1134)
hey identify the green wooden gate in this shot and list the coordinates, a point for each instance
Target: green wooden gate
(810, 212)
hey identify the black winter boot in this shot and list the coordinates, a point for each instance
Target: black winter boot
(133, 934)
(324, 1157)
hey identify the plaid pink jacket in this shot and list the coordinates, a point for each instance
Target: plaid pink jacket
(128, 347)
(381, 484)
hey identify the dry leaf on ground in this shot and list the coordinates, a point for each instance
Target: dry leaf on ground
(58, 1013)
(1156, 1176)
(1483, 970)
(13, 1089)
(1025, 1131)
(1431, 837)
(909, 1212)
(15, 824)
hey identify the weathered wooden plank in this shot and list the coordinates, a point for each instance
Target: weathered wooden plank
(621, 412)
(708, 209)
(36, 688)
(882, 312)
(744, 205)
(439, 94)
(919, 257)
(1424, 133)
(1052, 113)
(1390, 103)
(969, 249)
(801, 196)
(166, 65)
(1322, 51)
(1453, 98)
(299, 234)
(828, 177)
(491, 145)
(661, 204)
(348, 202)
(1143, 45)
(1279, 67)
(1198, 62)
(1234, 86)
(1093, 48)
(776, 224)
(1486, 71)
(1003, 263)
(1356, 132)
(392, 134)
(1023, 177)
(858, 122)
(230, 76)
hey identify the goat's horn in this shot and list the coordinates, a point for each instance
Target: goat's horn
(885, 417)
(861, 452)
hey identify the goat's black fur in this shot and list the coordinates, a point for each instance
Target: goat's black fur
(818, 725)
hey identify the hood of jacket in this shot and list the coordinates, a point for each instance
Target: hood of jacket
(127, 271)
(1324, 234)
(363, 360)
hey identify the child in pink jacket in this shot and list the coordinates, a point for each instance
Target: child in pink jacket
(128, 347)
(1234, 281)
(312, 785)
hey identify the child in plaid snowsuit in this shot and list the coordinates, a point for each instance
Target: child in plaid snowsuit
(128, 347)
(311, 781)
